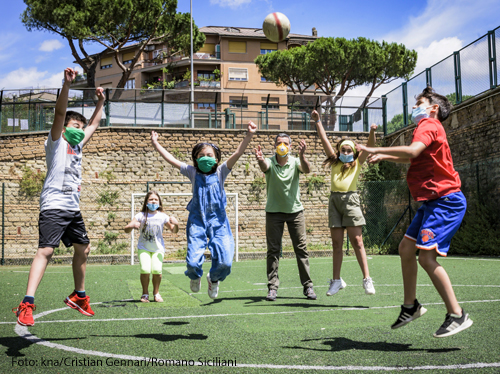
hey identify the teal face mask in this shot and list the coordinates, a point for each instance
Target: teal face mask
(205, 163)
(74, 136)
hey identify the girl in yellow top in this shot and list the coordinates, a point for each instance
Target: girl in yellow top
(344, 209)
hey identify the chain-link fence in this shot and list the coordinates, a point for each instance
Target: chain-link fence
(466, 73)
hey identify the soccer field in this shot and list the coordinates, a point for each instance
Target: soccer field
(348, 332)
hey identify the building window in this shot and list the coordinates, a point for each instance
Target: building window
(262, 79)
(238, 102)
(274, 103)
(210, 106)
(268, 48)
(205, 75)
(238, 74)
(128, 57)
(106, 62)
(130, 85)
(237, 47)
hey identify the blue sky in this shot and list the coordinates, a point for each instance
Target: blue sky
(435, 28)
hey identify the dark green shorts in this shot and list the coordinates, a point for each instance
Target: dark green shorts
(344, 210)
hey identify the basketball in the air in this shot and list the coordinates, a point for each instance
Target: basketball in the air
(276, 27)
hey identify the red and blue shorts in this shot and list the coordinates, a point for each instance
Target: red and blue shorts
(437, 221)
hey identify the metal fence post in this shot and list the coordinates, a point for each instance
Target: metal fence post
(3, 223)
(404, 90)
(428, 77)
(384, 113)
(458, 77)
(1, 107)
(492, 64)
(106, 107)
(162, 102)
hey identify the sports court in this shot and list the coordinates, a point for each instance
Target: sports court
(348, 332)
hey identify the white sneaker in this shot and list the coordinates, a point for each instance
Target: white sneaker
(368, 286)
(213, 287)
(195, 285)
(335, 286)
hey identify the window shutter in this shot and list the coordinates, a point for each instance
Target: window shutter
(237, 47)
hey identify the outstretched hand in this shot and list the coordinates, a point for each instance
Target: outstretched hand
(154, 137)
(360, 147)
(373, 127)
(315, 116)
(374, 159)
(302, 147)
(258, 154)
(69, 75)
(99, 91)
(252, 127)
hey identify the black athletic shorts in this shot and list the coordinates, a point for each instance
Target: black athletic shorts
(55, 225)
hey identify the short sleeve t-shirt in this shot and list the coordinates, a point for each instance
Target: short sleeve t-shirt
(347, 181)
(61, 189)
(190, 172)
(283, 192)
(431, 175)
(151, 231)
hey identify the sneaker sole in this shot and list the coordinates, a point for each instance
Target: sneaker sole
(72, 305)
(418, 313)
(468, 323)
(197, 289)
(210, 284)
(369, 292)
(25, 324)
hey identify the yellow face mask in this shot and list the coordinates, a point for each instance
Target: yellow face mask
(282, 149)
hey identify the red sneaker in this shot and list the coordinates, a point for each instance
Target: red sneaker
(79, 303)
(24, 314)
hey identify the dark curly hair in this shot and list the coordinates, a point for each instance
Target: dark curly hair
(196, 151)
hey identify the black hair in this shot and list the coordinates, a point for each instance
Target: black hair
(198, 148)
(71, 115)
(434, 98)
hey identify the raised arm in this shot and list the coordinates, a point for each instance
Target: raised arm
(371, 143)
(95, 120)
(322, 134)
(260, 159)
(304, 164)
(252, 129)
(62, 104)
(163, 152)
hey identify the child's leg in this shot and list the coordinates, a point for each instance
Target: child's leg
(38, 266)
(356, 238)
(440, 279)
(221, 246)
(145, 260)
(337, 234)
(196, 244)
(157, 267)
(409, 268)
(80, 255)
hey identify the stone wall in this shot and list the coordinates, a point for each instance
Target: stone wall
(122, 160)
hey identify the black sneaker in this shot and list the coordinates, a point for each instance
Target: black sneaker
(453, 324)
(309, 293)
(409, 314)
(271, 295)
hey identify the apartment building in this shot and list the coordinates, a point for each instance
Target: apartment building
(226, 77)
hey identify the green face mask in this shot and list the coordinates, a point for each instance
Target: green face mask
(73, 135)
(205, 163)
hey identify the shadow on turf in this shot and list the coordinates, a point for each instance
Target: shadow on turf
(305, 304)
(345, 344)
(160, 337)
(16, 344)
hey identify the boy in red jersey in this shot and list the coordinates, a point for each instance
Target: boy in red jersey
(432, 180)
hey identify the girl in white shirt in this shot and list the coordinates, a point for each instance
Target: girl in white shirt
(151, 248)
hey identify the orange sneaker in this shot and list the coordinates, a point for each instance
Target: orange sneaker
(24, 314)
(79, 303)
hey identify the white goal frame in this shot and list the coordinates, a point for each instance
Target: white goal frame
(235, 232)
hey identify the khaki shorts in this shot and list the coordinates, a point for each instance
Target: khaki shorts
(344, 210)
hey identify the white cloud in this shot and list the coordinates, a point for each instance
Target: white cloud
(230, 3)
(7, 41)
(50, 45)
(31, 77)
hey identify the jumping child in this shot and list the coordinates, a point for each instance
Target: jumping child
(60, 217)
(433, 180)
(151, 247)
(344, 209)
(207, 218)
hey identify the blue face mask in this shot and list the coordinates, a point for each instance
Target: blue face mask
(153, 207)
(346, 158)
(418, 114)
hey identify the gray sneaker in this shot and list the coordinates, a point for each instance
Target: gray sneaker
(309, 293)
(271, 295)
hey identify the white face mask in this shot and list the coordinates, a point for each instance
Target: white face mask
(418, 114)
